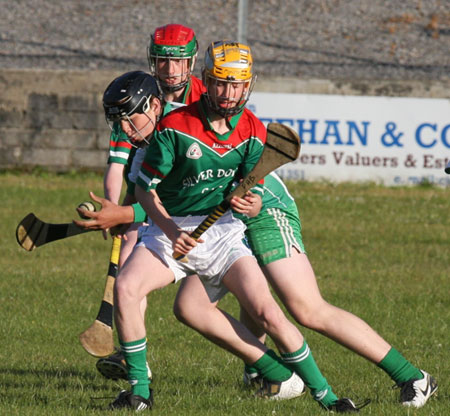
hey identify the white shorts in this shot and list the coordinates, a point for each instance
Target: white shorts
(223, 245)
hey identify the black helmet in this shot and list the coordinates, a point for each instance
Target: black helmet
(129, 94)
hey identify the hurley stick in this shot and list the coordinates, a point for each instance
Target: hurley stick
(32, 232)
(98, 340)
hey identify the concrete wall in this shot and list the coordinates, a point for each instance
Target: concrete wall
(54, 119)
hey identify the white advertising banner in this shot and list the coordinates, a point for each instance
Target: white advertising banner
(394, 141)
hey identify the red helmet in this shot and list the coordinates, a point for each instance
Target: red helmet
(172, 41)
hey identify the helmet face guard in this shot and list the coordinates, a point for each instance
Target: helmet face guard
(130, 94)
(222, 104)
(139, 131)
(175, 42)
(230, 63)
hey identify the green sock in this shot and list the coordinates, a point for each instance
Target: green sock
(135, 353)
(303, 363)
(272, 367)
(398, 367)
(250, 369)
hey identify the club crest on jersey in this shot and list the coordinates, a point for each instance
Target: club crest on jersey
(194, 151)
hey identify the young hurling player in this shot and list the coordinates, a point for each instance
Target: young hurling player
(132, 101)
(133, 105)
(172, 53)
(188, 170)
(275, 238)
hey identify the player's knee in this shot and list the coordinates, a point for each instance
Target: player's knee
(179, 311)
(312, 316)
(124, 292)
(270, 318)
(185, 311)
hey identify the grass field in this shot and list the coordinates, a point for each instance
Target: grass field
(382, 253)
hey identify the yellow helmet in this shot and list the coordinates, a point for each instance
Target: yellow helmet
(228, 61)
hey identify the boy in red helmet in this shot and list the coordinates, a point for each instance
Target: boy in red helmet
(172, 53)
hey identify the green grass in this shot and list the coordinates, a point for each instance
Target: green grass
(382, 253)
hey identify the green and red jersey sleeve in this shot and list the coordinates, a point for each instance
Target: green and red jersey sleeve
(119, 146)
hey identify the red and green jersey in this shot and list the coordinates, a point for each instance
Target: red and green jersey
(191, 166)
(194, 89)
(120, 149)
